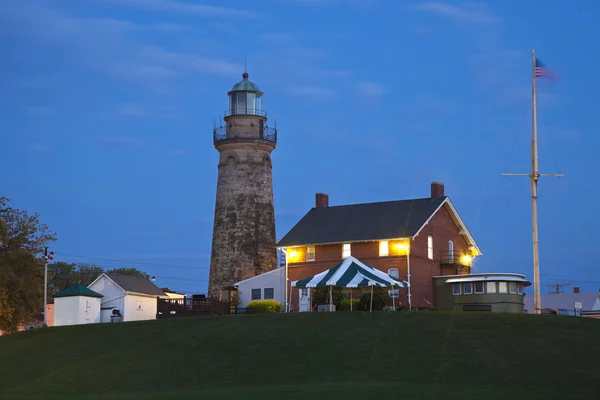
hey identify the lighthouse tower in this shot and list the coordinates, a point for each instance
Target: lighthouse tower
(243, 243)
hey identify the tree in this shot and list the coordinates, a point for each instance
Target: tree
(62, 275)
(21, 272)
(129, 271)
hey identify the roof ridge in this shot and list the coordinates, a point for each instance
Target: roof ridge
(380, 202)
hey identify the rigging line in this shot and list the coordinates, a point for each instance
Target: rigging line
(130, 262)
(551, 147)
(546, 188)
(517, 134)
(519, 256)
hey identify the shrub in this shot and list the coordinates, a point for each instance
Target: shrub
(381, 299)
(320, 296)
(264, 306)
(345, 305)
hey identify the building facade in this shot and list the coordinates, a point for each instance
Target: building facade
(243, 243)
(413, 240)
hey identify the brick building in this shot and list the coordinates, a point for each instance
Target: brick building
(413, 240)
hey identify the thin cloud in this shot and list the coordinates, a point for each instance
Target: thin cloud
(314, 91)
(371, 89)
(468, 12)
(185, 8)
(125, 141)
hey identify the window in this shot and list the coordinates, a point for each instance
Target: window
(520, 288)
(491, 287)
(393, 272)
(430, 247)
(478, 287)
(456, 288)
(468, 288)
(346, 250)
(310, 253)
(269, 294)
(502, 287)
(255, 295)
(513, 287)
(384, 248)
(450, 251)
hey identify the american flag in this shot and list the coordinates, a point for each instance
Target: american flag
(542, 71)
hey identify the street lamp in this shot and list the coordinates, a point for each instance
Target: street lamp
(47, 257)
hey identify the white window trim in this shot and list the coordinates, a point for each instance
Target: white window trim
(264, 296)
(510, 284)
(482, 288)
(465, 289)
(430, 247)
(261, 293)
(386, 245)
(519, 288)
(313, 253)
(495, 287)
(344, 250)
(500, 285)
(459, 291)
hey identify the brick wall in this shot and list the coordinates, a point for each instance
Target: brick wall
(441, 227)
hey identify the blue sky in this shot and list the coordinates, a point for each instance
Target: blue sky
(108, 107)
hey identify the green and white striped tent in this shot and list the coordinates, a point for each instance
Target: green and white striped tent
(350, 273)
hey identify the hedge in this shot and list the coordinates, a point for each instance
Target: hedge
(264, 306)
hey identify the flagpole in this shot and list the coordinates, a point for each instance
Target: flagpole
(535, 175)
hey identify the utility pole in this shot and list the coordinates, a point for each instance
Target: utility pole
(46, 258)
(557, 287)
(534, 177)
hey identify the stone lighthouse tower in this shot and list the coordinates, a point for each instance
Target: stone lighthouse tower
(243, 243)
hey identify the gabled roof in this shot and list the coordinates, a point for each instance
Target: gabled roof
(77, 290)
(362, 222)
(368, 222)
(135, 284)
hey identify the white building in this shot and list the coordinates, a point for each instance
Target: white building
(134, 298)
(77, 305)
(270, 285)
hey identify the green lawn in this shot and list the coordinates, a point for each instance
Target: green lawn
(309, 356)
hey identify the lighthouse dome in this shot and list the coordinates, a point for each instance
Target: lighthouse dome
(245, 85)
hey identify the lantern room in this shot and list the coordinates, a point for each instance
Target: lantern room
(245, 98)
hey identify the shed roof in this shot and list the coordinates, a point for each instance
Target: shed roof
(77, 290)
(136, 284)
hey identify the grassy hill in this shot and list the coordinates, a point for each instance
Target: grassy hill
(319, 355)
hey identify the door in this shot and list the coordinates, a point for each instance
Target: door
(304, 296)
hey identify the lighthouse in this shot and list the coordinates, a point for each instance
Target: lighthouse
(243, 243)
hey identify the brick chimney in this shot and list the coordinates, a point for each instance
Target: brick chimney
(322, 200)
(437, 189)
(575, 289)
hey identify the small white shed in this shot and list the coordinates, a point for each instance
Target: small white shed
(135, 298)
(267, 286)
(76, 305)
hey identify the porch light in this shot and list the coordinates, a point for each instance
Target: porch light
(466, 259)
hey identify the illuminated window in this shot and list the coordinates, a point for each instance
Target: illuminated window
(468, 288)
(502, 287)
(310, 253)
(430, 247)
(384, 249)
(456, 288)
(491, 287)
(346, 250)
(478, 287)
(513, 287)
